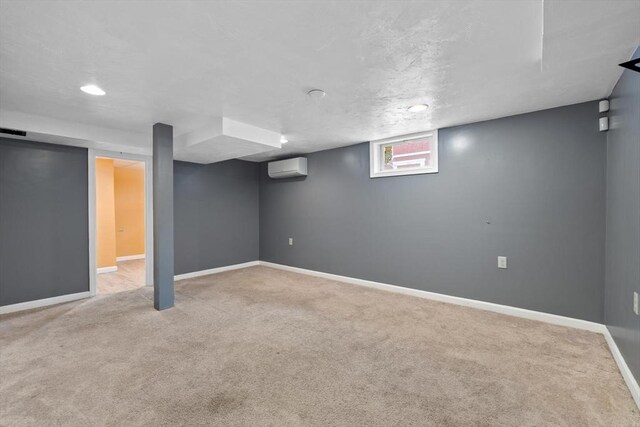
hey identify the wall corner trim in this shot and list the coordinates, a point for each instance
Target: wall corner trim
(215, 270)
(629, 379)
(28, 305)
(130, 257)
(109, 269)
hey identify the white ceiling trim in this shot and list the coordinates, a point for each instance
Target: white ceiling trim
(47, 129)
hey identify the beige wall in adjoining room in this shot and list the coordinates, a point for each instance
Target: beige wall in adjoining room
(105, 213)
(129, 211)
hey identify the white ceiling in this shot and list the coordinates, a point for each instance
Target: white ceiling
(189, 63)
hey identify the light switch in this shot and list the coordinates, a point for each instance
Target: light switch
(635, 303)
(502, 262)
(290, 241)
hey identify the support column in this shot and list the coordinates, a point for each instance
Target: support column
(163, 295)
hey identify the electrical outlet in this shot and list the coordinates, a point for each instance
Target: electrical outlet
(290, 241)
(635, 304)
(502, 262)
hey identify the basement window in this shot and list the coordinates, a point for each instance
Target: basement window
(405, 155)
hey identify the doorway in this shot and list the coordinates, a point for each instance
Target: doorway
(120, 222)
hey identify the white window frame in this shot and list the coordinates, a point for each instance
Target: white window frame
(375, 161)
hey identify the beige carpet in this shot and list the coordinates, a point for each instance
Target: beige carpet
(129, 276)
(265, 347)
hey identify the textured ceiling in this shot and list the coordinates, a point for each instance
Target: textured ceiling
(186, 63)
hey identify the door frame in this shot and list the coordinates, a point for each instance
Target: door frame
(93, 154)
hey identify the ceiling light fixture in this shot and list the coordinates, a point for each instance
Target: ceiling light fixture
(92, 90)
(283, 140)
(418, 107)
(316, 93)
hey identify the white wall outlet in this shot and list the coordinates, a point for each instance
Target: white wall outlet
(635, 304)
(502, 262)
(290, 241)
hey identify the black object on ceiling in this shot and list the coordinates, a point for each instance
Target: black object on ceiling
(633, 65)
(13, 132)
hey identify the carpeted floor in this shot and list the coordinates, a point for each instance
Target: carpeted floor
(265, 347)
(130, 276)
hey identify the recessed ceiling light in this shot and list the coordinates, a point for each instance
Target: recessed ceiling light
(418, 107)
(283, 140)
(92, 90)
(316, 93)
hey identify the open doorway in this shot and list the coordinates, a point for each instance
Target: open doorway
(120, 222)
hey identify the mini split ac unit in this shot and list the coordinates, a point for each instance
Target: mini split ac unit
(288, 168)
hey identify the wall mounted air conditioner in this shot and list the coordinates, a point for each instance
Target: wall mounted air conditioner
(288, 168)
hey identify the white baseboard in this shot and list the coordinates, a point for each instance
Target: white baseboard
(43, 302)
(215, 270)
(634, 388)
(110, 269)
(482, 305)
(129, 257)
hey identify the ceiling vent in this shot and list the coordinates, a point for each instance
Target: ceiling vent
(288, 168)
(13, 132)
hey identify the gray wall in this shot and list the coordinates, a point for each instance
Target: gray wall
(623, 218)
(530, 187)
(44, 218)
(163, 231)
(215, 214)
(44, 237)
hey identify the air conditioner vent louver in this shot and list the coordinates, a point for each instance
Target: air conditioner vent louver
(288, 168)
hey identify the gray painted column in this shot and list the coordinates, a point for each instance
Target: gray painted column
(163, 295)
